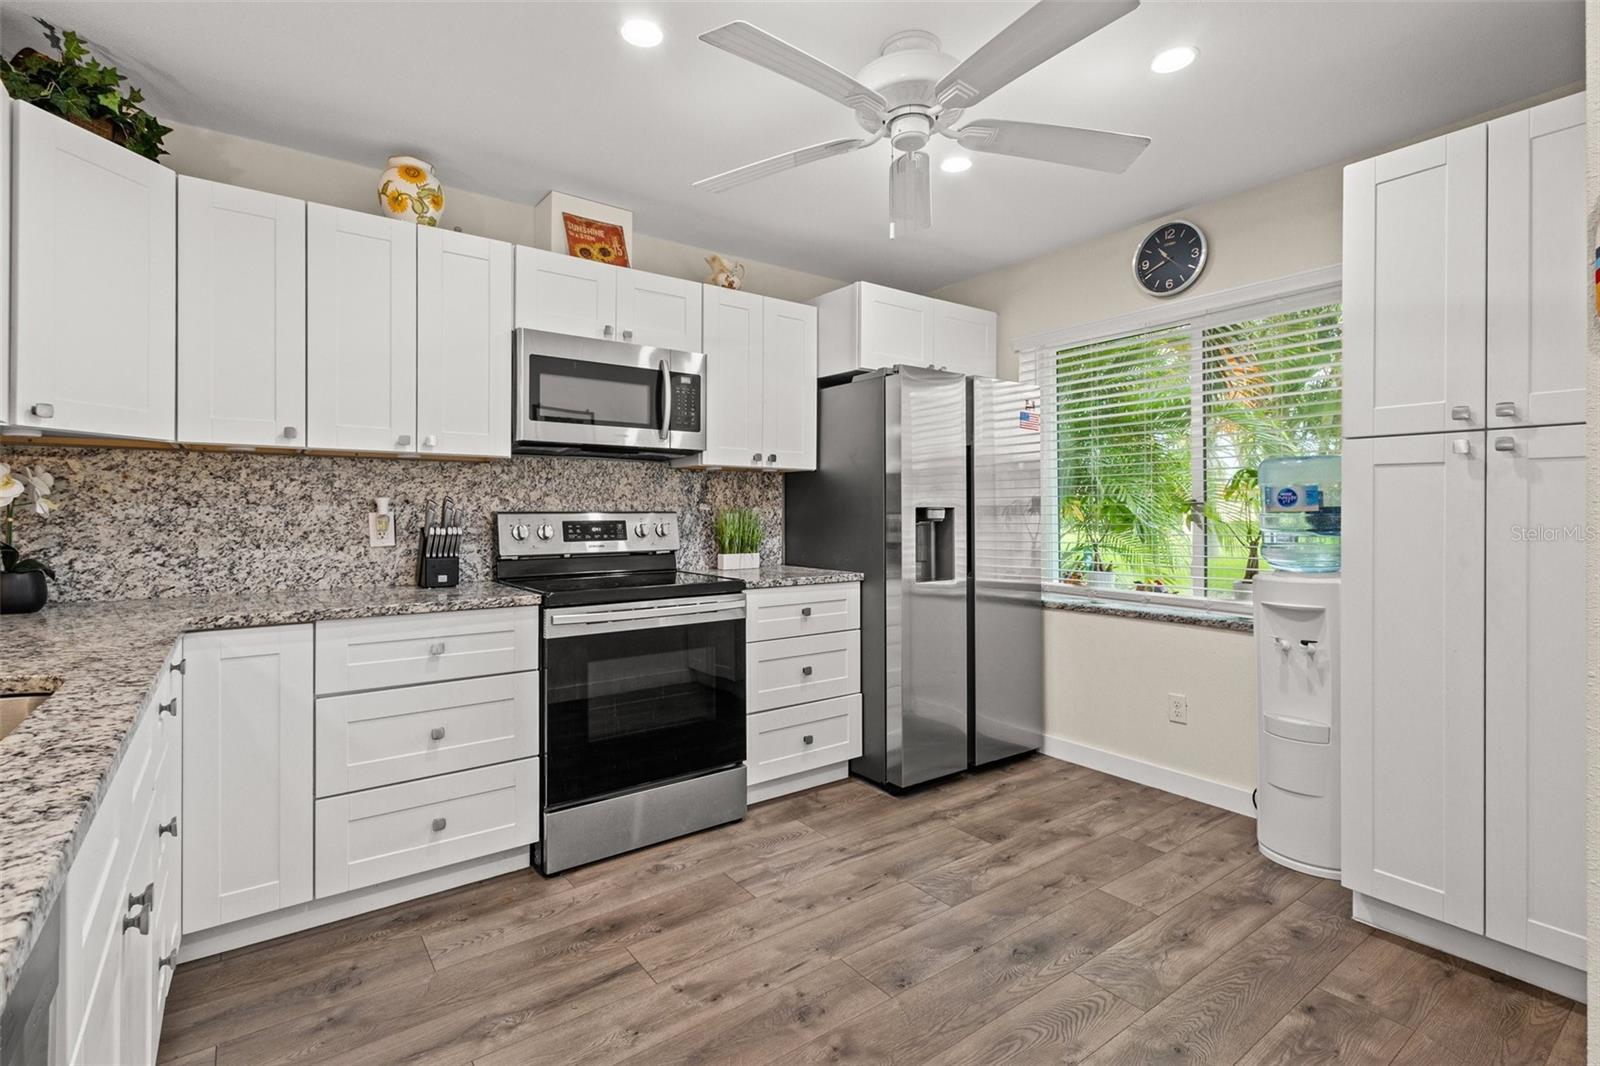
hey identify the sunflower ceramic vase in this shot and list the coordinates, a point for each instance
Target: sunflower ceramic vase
(410, 190)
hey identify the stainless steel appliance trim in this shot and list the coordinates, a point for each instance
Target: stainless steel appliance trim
(509, 546)
(607, 827)
(645, 614)
(666, 400)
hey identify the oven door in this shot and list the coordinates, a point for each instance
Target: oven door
(637, 694)
(583, 393)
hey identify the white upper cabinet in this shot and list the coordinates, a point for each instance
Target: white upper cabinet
(361, 331)
(659, 311)
(789, 385)
(241, 316)
(865, 326)
(1534, 691)
(565, 294)
(464, 296)
(1412, 693)
(100, 359)
(1539, 281)
(5, 254)
(733, 378)
(1414, 297)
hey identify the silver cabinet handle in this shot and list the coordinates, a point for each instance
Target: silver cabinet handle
(43, 410)
(1505, 409)
(805, 612)
(806, 671)
(169, 826)
(756, 458)
(1461, 413)
(607, 331)
(627, 334)
(772, 458)
(1505, 444)
(170, 707)
(180, 667)
(430, 441)
(144, 901)
(169, 961)
(436, 733)
(807, 739)
(403, 440)
(1461, 447)
(290, 433)
(438, 825)
(436, 648)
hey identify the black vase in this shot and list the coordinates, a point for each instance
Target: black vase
(22, 593)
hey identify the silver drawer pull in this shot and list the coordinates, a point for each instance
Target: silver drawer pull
(169, 826)
(436, 648)
(43, 410)
(1505, 444)
(1461, 447)
(627, 334)
(290, 433)
(143, 899)
(806, 670)
(805, 612)
(1505, 409)
(170, 707)
(1461, 413)
(169, 961)
(807, 739)
(438, 825)
(436, 733)
(141, 921)
(773, 457)
(756, 458)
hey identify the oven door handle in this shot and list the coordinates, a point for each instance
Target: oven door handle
(666, 399)
(579, 621)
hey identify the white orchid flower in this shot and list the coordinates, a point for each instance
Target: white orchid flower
(10, 487)
(42, 481)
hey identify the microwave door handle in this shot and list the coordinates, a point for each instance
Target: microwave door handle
(666, 400)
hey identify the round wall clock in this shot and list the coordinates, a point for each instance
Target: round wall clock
(1170, 259)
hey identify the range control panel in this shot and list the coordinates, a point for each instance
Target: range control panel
(524, 534)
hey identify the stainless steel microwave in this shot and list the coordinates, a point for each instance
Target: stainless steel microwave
(585, 396)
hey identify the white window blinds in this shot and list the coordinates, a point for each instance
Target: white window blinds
(1153, 440)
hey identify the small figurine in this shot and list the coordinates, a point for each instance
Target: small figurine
(723, 273)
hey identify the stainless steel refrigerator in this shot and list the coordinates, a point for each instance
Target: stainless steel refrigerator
(928, 483)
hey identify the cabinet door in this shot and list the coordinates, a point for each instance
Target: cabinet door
(5, 256)
(141, 983)
(1539, 283)
(657, 310)
(98, 358)
(241, 316)
(733, 378)
(1414, 288)
(168, 831)
(464, 294)
(1412, 686)
(964, 338)
(1534, 679)
(565, 294)
(361, 331)
(896, 327)
(789, 385)
(247, 773)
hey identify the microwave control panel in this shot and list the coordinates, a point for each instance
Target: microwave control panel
(685, 403)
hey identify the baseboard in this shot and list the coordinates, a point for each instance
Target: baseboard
(766, 790)
(305, 916)
(1192, 786)
(1523, 965)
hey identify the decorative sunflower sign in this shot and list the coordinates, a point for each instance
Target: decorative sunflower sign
(409, 189)
(602, 242)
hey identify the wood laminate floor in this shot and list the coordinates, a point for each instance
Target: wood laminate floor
(1035, 912)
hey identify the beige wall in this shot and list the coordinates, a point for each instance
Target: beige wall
(273, 168)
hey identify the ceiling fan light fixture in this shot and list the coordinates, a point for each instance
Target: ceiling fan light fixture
(1174, 59)
(910, 203)
(641, 33)
(956, 164)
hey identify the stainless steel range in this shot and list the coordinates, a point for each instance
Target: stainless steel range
(643, 672)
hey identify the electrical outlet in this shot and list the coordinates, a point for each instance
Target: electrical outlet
(1178, 708)
(380, 530)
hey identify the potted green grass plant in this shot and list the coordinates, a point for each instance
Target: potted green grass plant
(738, 535)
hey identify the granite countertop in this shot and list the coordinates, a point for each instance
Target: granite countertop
(1156, 612)
(100, 661)
(782, 575)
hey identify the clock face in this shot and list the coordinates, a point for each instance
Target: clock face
(1170, 259)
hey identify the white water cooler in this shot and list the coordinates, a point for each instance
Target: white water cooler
(1297, 700)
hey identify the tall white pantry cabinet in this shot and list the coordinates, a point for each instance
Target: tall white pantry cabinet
(1466, 295)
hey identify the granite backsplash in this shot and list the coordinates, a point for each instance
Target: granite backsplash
(158, 522)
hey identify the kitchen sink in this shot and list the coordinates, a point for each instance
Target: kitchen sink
(14, 707)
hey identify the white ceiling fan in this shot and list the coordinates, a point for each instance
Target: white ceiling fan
(913, 91)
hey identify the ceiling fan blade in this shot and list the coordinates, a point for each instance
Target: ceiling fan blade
(1045, 29)
(910, 199)
(780, 57)
(779, 163)
(1069, 145)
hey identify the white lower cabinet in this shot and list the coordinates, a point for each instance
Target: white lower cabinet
(247, 773)
(802, 687)
(365, 838)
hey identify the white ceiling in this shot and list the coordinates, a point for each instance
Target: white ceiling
(513, 99)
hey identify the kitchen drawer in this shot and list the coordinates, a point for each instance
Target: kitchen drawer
(370, 739)
(795, 612)
(792, 740)
(369, 653)
(802, 669)
(366, 838)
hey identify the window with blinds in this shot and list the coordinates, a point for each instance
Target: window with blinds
(1155, 439)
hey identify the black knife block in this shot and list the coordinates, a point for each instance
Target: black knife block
(438, 571)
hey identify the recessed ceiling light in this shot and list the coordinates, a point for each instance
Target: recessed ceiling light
(641, 33)
(956, 164)
(1174, 59)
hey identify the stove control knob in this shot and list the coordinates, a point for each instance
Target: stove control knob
(661, 529)
(638, 529)
(546, 531)
(519, 531)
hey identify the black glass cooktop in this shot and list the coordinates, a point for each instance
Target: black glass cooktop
(582, 589)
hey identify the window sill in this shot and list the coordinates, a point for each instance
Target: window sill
(1188, 616)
